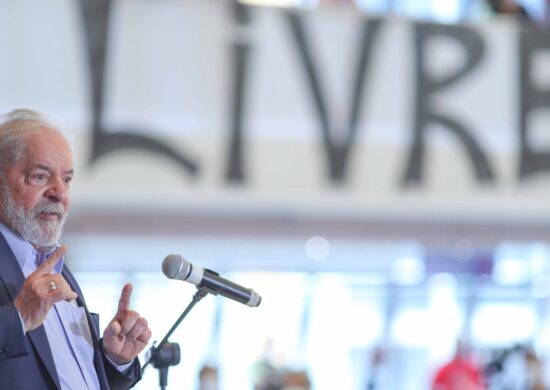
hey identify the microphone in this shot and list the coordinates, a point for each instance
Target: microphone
(176, 267)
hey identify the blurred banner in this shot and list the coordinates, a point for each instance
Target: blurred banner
(211, 104)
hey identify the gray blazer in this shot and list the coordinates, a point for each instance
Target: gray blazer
(26, 360)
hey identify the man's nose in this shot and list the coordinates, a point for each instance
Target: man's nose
(57, 190)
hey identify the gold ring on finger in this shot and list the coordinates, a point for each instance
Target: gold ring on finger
(52, 286)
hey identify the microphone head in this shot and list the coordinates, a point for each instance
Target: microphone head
(175, 267)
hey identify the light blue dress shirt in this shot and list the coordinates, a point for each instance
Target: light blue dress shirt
(66, 324)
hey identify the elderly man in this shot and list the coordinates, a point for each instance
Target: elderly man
(48, 339)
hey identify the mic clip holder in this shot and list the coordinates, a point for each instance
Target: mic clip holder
(164, 357)
(206, 288)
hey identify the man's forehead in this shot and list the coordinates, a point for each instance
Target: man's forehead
(47, 148)
(48, 140)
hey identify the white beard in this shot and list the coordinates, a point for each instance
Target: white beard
(27, 224)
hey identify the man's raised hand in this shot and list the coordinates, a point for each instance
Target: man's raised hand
(128, 333)
(41, 290)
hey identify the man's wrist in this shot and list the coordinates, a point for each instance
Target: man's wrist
(122, 367)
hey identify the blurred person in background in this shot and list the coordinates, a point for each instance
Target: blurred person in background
(208, 378)
(460, 373)
(296, 380)
(534, 370)
(516, 368)
(508, 7)
(377, 369)
(48, 338)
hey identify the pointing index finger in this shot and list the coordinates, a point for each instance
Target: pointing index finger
(47, 266)
(124, 302)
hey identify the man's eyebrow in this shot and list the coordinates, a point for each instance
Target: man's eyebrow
(49, 169)
(42, 166)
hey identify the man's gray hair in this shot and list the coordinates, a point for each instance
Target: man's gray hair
(15, 128)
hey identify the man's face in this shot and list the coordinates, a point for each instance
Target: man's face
(35, 194)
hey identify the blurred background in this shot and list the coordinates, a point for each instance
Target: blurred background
(378, 170)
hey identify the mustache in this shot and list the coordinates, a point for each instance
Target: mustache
(48, 207)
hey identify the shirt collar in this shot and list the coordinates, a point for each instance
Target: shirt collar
(23, 250)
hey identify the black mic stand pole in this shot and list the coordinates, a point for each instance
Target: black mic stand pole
(167, 354)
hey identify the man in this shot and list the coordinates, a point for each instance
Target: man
(509, 7)
(48, 339)
(461, 373)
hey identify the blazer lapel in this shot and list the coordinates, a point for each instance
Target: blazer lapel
(94, 329)
(41, 345)
(13, 279)
(10, 272)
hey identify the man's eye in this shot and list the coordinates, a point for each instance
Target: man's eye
(67, 180)
(39, 176)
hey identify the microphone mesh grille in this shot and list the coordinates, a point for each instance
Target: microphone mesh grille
(171, 265)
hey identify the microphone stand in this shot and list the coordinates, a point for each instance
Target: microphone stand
(167, 354)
